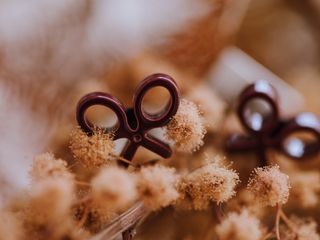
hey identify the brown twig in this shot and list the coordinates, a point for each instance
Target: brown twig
(81, 183)
(288, 222)
(280, 216)
(82, 200)
(277, 226)
(72, 165)
(268, 235)
(124, 222)
(83, 218)
(122, 159)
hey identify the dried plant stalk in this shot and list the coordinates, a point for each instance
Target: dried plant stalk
(123, 222)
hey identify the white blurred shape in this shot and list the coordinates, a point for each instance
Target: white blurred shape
(234, 70)
(22, 137)
(76, 38)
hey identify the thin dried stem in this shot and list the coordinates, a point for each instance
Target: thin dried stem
(268, 235)
(83, 200)
(280, 216)
(83, 218)
(219, 211)
(124, 222)
(81, 183)
(122, 159)
(288, 222)
(72, 165)
(277, 226)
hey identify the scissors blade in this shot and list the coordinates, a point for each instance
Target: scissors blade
(238, 143)
(129, 151)
(157, 146)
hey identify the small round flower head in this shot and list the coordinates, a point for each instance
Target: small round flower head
(208, 183)
(240, 226)
(114, 188)
(48, 211)
(305, 229)
(269, 186)
(50, 200)
(307, 194)
(10, 226)
(92, 151)
(156, 186)
(186, 128)
(46, 165)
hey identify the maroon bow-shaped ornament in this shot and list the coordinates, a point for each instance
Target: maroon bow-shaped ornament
(269, 130)
(134, 123)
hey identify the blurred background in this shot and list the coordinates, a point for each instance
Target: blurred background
(52, 52)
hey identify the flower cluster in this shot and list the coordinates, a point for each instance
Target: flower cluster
(186, 128)
(114, 187)
(157, 186)
(269, 186)
(92, 151)
(208, 183)
(76, 203)
(240, 226)
(46, 165)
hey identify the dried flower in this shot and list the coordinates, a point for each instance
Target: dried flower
(46, 165)
(47, 215)
(92, 151)
(240, 226)
(114, 188)
(186, 128)
(51, 200)
(269, 186)
(208, 183)
(305, 229)
(156, 186)
(307, 194)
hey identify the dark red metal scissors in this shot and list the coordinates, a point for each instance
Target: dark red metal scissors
(134, 123)
(269, 130)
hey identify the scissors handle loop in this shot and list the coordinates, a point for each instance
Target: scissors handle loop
(160, 119)
(297, 138)
(299, 147)
(104, 99)
(264, 95)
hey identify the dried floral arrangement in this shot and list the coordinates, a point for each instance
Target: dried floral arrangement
(85, 189)
(105, 199)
